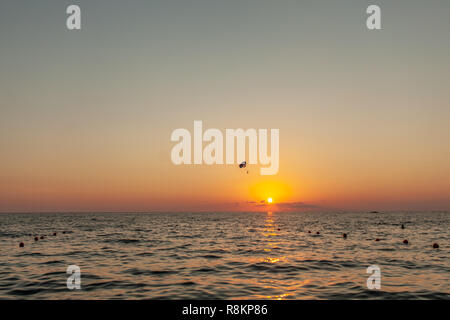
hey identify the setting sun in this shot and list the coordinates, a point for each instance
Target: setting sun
(269, 200)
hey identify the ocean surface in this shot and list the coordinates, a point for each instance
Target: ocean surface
(225, 255)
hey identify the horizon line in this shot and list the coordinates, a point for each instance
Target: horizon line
(222, 211)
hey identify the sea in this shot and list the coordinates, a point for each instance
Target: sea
(234, 255)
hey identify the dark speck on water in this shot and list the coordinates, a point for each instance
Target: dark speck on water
(225, 255)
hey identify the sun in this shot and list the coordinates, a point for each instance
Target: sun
(269, 200)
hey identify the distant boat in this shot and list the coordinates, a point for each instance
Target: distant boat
(374, 212)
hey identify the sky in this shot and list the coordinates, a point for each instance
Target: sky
(86, 115)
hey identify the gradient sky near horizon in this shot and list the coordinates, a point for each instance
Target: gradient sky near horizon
(86, 116)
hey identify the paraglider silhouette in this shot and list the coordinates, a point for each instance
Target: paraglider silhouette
(243, 165)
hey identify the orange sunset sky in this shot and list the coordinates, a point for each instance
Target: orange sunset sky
(86, 116)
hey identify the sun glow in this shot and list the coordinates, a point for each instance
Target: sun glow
(269, 200)
(263, 190)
